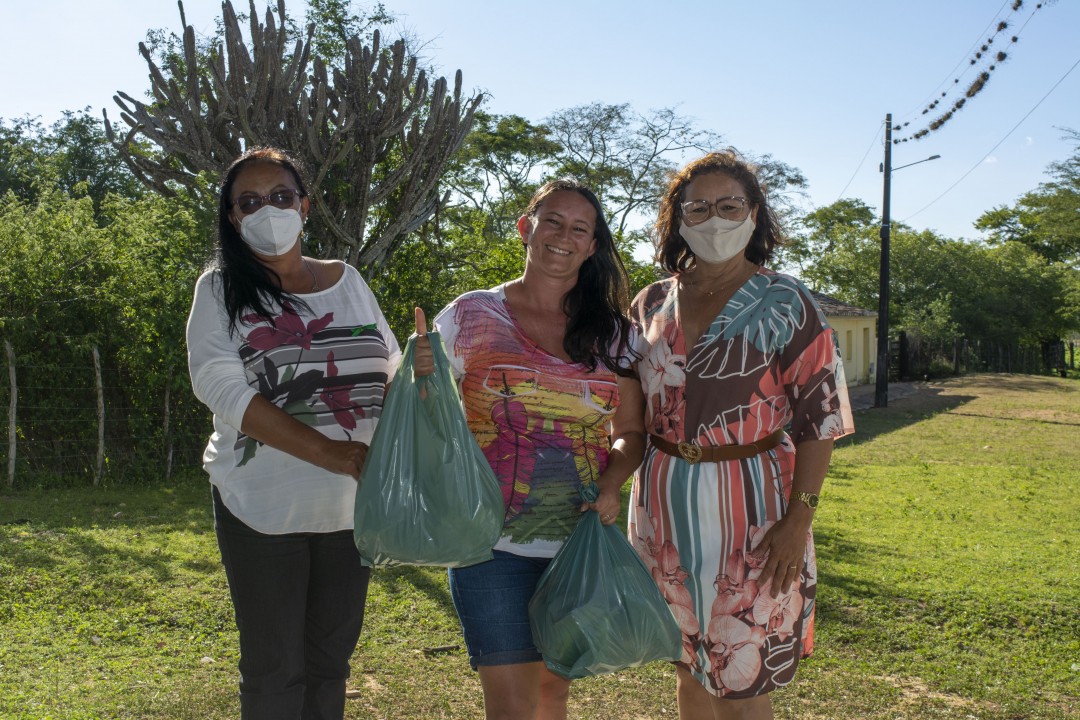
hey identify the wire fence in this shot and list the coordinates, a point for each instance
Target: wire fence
(80, 417)
(90, 421)
(915, 358)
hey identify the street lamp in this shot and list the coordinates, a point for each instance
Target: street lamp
(881, 388)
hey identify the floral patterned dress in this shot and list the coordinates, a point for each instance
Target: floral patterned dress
(766, 361)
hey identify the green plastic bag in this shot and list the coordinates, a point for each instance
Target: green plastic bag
(596, 608)
(427, 494)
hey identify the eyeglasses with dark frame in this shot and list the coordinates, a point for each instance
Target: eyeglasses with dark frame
(250, 202)
(732, 207)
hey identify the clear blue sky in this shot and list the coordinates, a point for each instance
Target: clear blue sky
(809, 83)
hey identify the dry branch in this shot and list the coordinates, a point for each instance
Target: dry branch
(374, 134)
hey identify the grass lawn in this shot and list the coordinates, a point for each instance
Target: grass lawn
(948, 552)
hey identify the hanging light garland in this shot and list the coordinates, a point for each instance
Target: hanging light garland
(993, 60)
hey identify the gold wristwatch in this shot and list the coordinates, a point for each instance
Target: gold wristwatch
(811, 499)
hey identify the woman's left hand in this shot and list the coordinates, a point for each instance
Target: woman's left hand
(783, 549)
(344, 457)
(423, 359)
(607, 506)
(627, 450)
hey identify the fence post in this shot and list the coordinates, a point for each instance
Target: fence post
(165, 431)
(12, 407)
(101, 416)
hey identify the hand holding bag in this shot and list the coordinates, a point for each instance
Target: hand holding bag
(427, 494)
(596, 608)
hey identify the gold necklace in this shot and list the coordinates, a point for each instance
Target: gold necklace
(708, 293)
(314, 278)
(726, 281)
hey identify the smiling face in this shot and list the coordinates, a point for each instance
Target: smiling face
(561, 235)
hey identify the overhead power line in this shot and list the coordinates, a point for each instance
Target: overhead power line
(1002, 140)
(991, 60)
(962, 62)
(873, 144)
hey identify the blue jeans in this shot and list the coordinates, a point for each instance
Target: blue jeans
(299, 602)
(492, 602)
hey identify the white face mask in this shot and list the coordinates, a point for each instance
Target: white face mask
(717, 239)
(270, 230)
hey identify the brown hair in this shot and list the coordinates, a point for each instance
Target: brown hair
(672, 252)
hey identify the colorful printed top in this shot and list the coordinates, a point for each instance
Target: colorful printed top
(542, 422)
(767, 361)
(327, 368)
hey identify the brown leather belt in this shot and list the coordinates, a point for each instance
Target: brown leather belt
(695, 453)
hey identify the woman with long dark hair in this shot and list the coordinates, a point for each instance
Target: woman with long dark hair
(544, 367)
(292, 355)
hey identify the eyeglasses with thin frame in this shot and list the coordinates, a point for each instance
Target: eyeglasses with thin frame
(250, 202)
(732, 207)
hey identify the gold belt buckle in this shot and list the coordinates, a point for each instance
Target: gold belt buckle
(690, 453)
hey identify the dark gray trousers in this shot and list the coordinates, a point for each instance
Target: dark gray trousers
(299, 602)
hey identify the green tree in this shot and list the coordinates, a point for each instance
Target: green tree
(157, 248)
(80, 157)
(1007, 294)
(72, 156)
(118, 280)
(1014, 294)
(1046, 219)
(20, 159)
(52, 317)
(492, 177)
(336, 21)
(624, 155)
(830, 247)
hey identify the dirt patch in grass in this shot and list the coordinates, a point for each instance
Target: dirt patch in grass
(914, 692)
(1050, 416)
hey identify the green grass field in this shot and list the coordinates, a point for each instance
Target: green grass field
(948, 552)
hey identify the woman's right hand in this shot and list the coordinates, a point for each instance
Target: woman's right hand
(423, 359)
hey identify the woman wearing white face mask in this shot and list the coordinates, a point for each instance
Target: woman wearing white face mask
(292, 355)
(722, 506)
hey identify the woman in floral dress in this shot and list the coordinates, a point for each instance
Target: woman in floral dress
(721, 509)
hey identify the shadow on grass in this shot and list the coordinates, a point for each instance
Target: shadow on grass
(92, 523)
(857, 609)
(1016, 382)
(1016, 419)
(902, 412)
(93, 531)
(427, 581)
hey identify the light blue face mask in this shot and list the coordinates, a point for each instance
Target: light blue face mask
(271, 231)
(717, 239)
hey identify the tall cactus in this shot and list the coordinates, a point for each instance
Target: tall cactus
(374, 134)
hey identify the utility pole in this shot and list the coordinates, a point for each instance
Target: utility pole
(881, 387)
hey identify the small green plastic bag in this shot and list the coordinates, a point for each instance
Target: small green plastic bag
(596, 608)
(427, 494)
